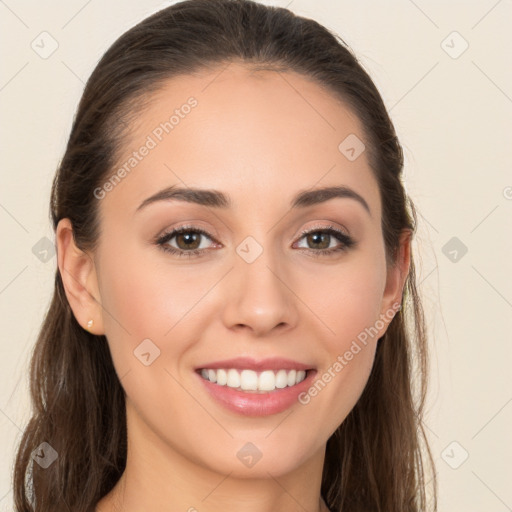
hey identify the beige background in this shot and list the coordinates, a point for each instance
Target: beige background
(453, 116)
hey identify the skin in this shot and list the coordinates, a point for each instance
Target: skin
(259, 137)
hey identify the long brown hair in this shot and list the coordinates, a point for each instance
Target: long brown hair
(376, 460)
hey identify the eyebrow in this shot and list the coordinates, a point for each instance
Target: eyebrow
(216, 199)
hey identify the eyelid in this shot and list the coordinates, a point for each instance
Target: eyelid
(172, 232)
(321, 227)
(204, 231)
(190, 226)
(342, 235)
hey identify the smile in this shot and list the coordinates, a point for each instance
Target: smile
(253, 381)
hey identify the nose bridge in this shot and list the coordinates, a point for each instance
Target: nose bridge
(257, 262)
(260, 299)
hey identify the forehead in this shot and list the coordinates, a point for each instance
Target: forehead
(260, 133)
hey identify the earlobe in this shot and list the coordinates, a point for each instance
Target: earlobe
(78, 274)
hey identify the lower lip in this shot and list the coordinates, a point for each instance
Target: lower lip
(257, 404)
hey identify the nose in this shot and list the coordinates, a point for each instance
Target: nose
(259, 297)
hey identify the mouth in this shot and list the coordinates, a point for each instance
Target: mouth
(252, 381)
(256, 387)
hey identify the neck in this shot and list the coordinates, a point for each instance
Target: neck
(159, 477)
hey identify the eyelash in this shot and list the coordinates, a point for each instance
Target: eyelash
(346, 241)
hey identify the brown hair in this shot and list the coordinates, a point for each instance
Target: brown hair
(375, 460)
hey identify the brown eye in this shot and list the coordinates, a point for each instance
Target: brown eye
(188, 241)
(318, 241)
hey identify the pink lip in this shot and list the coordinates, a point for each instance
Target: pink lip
(247, 363)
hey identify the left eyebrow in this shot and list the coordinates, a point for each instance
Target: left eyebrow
(216, 199)
(319, 195)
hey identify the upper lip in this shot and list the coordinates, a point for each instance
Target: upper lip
(248, 363)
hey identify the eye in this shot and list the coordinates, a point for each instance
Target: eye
(323, 237)
(188, 241)
(187, 238)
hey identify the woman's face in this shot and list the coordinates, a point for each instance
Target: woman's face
(255, 287)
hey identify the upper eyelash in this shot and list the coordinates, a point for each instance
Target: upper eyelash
(162, 240)
(345, 239)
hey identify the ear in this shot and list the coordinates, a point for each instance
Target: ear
(78, 274)
(397, 273)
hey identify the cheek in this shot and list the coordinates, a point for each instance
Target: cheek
(349, 305)
(348, 297)
(146, 301)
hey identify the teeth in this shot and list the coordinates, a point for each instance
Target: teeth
(281, 379)
(233, 379)
(249, 380)
(267, 381)
(222, 377)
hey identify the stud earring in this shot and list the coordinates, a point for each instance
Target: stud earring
(89, 324)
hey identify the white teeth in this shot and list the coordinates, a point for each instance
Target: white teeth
(267, 381)
(222, 377)
(233, 379)
(281, 379)
(249, 380)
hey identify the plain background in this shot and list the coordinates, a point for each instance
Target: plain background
(452, 111)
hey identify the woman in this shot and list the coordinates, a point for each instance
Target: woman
(235, 318)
